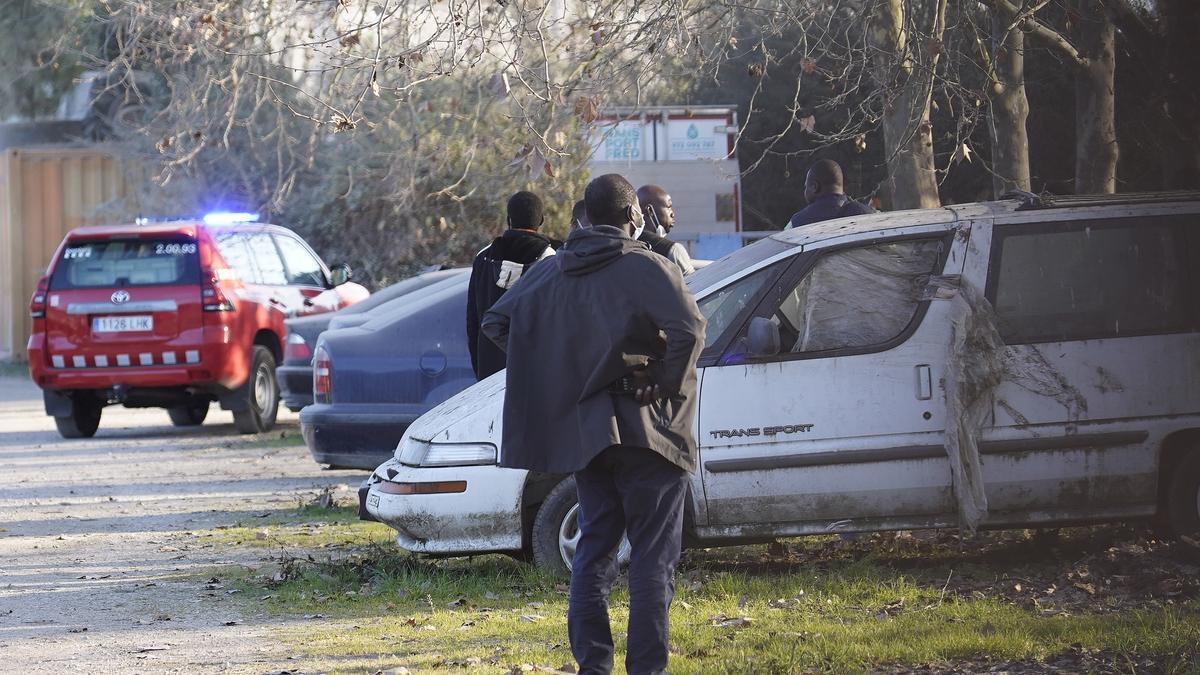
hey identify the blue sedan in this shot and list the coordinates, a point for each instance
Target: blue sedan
(372, 380)
(295, 373)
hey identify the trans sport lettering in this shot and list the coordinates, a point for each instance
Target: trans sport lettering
(762, 431)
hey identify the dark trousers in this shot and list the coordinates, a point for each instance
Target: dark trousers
(636, 491)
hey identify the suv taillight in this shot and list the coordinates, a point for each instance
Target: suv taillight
(37, 306)
(212, 299)
(296, 348)
(322, 375)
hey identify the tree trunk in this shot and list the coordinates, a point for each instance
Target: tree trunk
(1095, 105)
(1180, 20)
(1009, 106)
(908, 87)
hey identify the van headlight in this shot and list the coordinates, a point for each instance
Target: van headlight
(414, 452)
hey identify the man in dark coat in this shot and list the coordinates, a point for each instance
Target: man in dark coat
(826, 201)
(497, 268)
(659, 214)
(602, 344)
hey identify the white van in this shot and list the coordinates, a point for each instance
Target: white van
(854, 379)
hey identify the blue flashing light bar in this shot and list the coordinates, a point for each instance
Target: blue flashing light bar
(222, 218)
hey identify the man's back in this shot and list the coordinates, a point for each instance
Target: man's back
(496, 269)
(579, 323)
(601, 383)
(828, 207)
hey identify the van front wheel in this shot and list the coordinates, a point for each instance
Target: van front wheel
(1183, 497)
(556, 531)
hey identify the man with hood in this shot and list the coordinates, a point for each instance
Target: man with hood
(659, 213)
(497, 268)
(602, 345)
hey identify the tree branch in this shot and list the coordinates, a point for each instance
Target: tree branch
(1043, 33)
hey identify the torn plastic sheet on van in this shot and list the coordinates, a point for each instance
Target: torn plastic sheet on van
(859, 297)
(974, 367)
(977, 361)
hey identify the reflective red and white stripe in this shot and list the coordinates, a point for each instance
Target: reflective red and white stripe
(171, 358)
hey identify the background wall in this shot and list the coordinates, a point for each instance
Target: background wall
(44, 193)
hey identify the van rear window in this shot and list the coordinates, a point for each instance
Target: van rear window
(117, 263)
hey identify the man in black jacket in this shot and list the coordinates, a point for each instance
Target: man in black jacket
(497, 268)
(826, 200)
(602, 343)
(659, 214)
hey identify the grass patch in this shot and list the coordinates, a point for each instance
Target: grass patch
(825, 605)
(308, 527)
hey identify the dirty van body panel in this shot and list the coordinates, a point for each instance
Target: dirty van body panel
(832, 437)
(1108, 374)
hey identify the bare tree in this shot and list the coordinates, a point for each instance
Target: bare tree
(1004, 67)
(1092, 56)
(907, 39)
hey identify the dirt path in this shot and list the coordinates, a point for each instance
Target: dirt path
(95, 573)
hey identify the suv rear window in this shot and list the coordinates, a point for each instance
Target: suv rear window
(117, 263)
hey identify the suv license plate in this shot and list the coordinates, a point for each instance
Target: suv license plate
(122, 324)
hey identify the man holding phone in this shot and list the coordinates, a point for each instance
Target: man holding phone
(659, 214)
(602, 343)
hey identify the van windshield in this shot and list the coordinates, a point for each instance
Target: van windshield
(116, 263)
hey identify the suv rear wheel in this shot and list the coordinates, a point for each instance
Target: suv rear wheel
(83, 421)
(261, 392)
(189, 415)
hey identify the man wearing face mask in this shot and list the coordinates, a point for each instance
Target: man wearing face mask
(659, 214)
(621, 333)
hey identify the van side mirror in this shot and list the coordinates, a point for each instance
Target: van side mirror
(340, 274)
(763, 337)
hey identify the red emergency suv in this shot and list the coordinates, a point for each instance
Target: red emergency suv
(174, 315)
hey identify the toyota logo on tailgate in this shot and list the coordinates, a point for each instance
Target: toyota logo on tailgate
(120, 297)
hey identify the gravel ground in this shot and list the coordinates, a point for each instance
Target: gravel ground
(96, 574)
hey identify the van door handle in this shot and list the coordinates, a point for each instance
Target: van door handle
(924, 383)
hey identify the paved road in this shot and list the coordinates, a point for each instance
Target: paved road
(94, 572)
